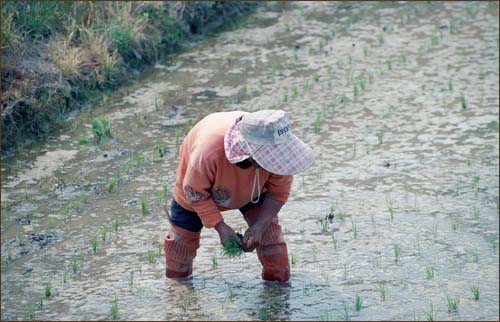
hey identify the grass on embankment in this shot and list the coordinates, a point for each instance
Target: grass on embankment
(57, 55)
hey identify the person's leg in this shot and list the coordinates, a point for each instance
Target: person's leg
(272, 250)
(181, 241)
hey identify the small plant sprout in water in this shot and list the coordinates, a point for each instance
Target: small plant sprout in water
(334, 241)
(114, 308)
(380, 38)
(452, 303)
(389, 65)
(101, 129)
(431, 314)
(429, 272)
(358, 302)
(48, 290)
(356, 90)
(74, 264)
(215, 263)
(63, 212)
(263, 315)
(318, 123)
(475, 180)
(397, 253)
(152, 256)
(382, 291)
(232, 248)
(144, 206)
(354, 228)
(294, 259)
(475, 212)
(380, 137)
(94, 244)
(111, 185)
(463, 103)
(475, 292)
(450, 85)
(316, 78)
(104, 232)
(285, 97)
(116, 222)
(388, 201)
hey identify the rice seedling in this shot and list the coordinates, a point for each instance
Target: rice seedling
(475, 212)
(65, 277)
(9, 254)
(452, 303)
(358, 302)
(295, 56)
(144, 206)
(365, 52)
(450, 85)
(380, 38)
(388, 202)
(230, 292)
(131, 279)
(356, 90)
(111, 185)
(81, 255)
(344, 99)
(116, 222)
(434, 39)
(263, 315)
(285, 97)
(334, 241)
(475, 292)
(475, 180)
(63, 212)
(94, 244)
(318, 123)
(397, 253)
(370, 78)
(389, 65)
(362, 84)
(402, 58)
(429, 272)
(20, 237)
(128, 215)
(48, 290)
(232, 248)
(101, 129)
(380, 137)
(345, 312)
(152, 257)
(327, 316)
(382, 290)
(104, 232)
(431, 314)
(463, 102)
(74, 264)
(114, 308)
(30, 310)
(316, 78)
(83, 140)
(215, 263)
(295, 91)
(354, 228)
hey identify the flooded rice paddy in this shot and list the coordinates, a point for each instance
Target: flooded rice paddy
(400, 103)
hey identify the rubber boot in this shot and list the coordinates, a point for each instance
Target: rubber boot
(272, 250)
(180, 247)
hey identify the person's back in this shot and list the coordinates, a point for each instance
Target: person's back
(235, 160)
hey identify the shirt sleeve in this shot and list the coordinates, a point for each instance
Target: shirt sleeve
(279, 187)
(197, 186)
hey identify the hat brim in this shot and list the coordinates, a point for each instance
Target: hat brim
(288, 158)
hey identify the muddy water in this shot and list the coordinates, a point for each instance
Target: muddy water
(400, 104)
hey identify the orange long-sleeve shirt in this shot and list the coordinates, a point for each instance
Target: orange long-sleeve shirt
(207, 183)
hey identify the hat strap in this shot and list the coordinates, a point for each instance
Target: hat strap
(256, 179)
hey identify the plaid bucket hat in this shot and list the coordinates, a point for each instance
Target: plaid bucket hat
(267, 137)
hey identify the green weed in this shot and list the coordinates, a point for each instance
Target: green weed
(94, 244)
(397, 253)
(463, 102)
(452, 303)
(48, 290)
(429, 272)
(101, 129)
(382, 290)
(114, 308)
(144, 206)
(111, 185)
(152, 256)
(475, 292)
(358, 302)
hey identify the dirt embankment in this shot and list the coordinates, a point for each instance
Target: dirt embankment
(58, 55)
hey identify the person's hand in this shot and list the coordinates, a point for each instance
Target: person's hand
(226, 233)
(252, 237)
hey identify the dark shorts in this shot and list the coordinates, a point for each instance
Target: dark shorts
(190, 220)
